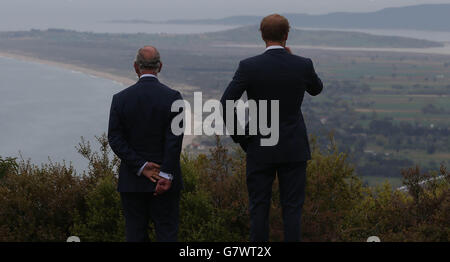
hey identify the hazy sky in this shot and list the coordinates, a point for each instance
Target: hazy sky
(89, 15)
(47, 10)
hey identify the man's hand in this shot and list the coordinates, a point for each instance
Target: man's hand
(162, 186)
(288, 49)
(151, 171)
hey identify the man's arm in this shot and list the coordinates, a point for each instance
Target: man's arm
(172, 146)
(118, 143)
(314, 85)
(234, 92)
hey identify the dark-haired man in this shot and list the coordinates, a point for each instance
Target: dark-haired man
(279, 75)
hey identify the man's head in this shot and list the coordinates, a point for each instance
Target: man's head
(274, 29)
(148, 61)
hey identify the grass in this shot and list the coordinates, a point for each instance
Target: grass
(374, 181)
(419, 157)
(405, 107)
(401, 85)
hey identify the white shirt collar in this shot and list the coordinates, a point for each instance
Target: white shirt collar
(274, 47)
(148, 75)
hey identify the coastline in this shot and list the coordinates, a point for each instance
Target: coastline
(445, 50)
(29, 58)
(183, 88)
(188, 139)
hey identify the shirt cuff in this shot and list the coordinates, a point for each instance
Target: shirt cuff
(166, 176)
(142, 169)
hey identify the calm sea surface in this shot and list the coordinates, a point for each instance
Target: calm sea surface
(45, 110)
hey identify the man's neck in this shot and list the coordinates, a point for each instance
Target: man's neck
(270, 43)
(148, 73)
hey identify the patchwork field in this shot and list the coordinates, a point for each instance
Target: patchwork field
(387, 110)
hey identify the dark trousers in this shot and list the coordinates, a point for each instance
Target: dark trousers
(292, 180)
(163, 211)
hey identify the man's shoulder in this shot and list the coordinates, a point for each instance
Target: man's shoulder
(259, 59)
(125, 92)
(252, 60)
(301, 59)
(170, 92)
(148, 86)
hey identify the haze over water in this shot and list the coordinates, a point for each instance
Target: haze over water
(45, 110)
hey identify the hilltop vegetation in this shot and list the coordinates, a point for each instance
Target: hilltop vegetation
(52, 202)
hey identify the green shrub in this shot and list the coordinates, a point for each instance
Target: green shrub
(332, 191)
(7, 165)
(52, 202)
(36, 203)
(102, 219)
(213, 203)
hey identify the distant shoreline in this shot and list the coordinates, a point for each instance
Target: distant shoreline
(29, 58)
(118, 79)
(430, 50)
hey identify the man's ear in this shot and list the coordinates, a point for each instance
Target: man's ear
(285, 37)
(160, 67)
(136, 69)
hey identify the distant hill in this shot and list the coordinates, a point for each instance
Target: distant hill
(251, 35)
(242, 35)
(434, 17)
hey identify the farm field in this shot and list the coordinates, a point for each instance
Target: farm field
(386, 110)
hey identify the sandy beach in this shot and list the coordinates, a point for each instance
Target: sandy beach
(24, 57)
(119, 79)
(183, 88)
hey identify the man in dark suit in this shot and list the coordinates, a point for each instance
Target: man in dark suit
(276, 74)
(140, 135)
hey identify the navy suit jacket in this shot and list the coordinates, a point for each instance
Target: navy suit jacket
(276, 75)
(140, 131)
